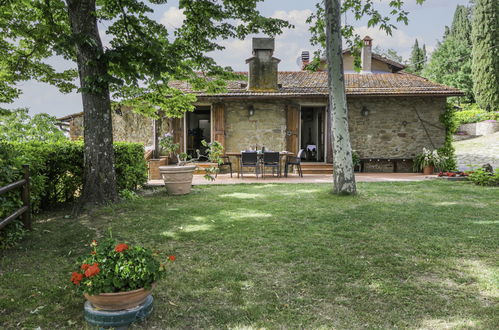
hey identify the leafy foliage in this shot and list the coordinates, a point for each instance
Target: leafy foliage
(429, 158)
(56, 171)
(485, 53)
(472, 113)
(450, 63)
(418, 58)
(112, 267)
(18, 126)
(215, 151)
(168, 146)
(447, 150)
(142, 57)
(12, 234)
(484, 178)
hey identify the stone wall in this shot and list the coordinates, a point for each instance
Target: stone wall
(392, 128)
(267, 127)
(482, 128)
(127, 127)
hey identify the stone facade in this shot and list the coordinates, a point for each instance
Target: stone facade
(127, 127)
(267, 127)
(392, 128)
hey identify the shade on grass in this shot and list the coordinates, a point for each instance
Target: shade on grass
(415, 255)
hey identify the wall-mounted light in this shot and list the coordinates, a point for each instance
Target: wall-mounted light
(404, 123)
(364, 112)
(251, 110)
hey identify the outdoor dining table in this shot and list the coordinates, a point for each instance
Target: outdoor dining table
(283, 155)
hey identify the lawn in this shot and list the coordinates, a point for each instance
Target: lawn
(399, 255)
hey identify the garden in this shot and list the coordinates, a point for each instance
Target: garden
(404, 255)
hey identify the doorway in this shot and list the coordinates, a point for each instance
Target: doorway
(198, 128)
(312, 133)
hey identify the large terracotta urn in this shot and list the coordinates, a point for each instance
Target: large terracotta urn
(119, 300)
(178, 179)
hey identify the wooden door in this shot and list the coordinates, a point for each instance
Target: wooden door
(292, 128)
(218, 115)
(177, 126)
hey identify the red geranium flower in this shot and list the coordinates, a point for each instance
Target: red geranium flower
(92, 270)
(76, 278)
(121, 247)
(172, 258)
(85, 266)
(93, 252)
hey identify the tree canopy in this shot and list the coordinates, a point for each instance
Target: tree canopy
(134, 66)
(18, 126)
(450, 63)
(485, 53)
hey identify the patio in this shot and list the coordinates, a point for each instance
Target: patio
(310, 178)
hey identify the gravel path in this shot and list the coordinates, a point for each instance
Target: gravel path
(478, 151)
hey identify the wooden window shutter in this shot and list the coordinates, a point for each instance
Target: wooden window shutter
(177, 125)
(329, 138)
(219, 123)
(292, 127)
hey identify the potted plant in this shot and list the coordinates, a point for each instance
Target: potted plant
(117, 276)
(178, 178)
(428, 160)
(168, 147)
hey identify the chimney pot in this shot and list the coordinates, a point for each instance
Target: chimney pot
(305, 59)
(367, 55)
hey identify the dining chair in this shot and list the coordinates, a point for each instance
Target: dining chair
(294, 161)
(249, 159)
(225, 162)
(271, 159)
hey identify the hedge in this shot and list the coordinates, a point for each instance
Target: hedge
(471, 113)
(57, 171)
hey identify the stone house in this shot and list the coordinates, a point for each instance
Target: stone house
(392, 114)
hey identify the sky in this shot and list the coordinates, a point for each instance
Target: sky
(426, 23)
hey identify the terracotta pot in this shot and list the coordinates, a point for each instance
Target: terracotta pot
(154, 165)
(428, 170)
(166, 160)
(178, 179)
(119, 300)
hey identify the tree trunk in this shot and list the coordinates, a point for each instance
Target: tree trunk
(343, 175)
(99, 185)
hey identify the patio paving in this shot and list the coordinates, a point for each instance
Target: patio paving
(307, 178)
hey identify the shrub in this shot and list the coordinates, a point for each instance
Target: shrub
(11, 234)
(131, 168)
(56, 171)
(484, 178)
(473, 114)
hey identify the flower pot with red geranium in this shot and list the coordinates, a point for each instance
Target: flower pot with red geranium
(117, 276)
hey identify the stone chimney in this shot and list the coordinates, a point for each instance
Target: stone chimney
(262, 73)
(366, 56)
(305, 59)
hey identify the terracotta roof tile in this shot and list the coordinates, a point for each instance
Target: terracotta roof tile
(303, 83)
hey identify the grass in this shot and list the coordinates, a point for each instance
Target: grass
(399, 255)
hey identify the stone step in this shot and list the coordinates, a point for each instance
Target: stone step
(316, 168)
